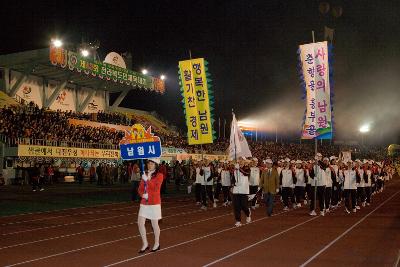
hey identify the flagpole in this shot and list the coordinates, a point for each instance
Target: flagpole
(224, 127)
(234, 142)
(316, 152)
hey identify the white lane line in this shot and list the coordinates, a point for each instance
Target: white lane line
(345, 232)
(73, 214)
(113, 241)
(66, 215)
(48, 211)
(396, 264)
(85, 207)
(259, 242)
(85, 221)
(90, 231)
(191, 240)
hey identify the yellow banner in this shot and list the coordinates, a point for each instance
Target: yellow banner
(66, 152)
(196, 101)
(203, 101)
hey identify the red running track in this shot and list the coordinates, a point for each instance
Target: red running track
(107, 235)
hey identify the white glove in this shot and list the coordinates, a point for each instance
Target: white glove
(258, 189)
(145, 196)
(145, 177)
(277, 190)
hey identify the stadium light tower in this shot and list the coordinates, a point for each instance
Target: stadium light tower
(57, 42)
(364, 129)
(144, 71)
(162, 77)
(85, 52)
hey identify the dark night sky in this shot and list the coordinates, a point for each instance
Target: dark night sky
(250, 45)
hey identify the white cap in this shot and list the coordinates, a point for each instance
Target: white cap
(327, 159)
(298, 161)
(332, 157)
(268, 161)
(155, 160)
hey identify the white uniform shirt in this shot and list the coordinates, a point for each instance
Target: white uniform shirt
(362, 182)
(254, 176)
(320, 175)
(207, 174)
(287, 178)
(310, 180)
(328, 177)
(349, 177)
(369, 175)
(225, 178)
(199, 178)
(300, 177)
(242, 183)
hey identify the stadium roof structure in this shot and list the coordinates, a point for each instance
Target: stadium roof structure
(68, 67)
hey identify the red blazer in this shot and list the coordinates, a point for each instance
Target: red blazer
(153, 189)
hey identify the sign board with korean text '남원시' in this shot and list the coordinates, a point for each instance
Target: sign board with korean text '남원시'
(139, 143)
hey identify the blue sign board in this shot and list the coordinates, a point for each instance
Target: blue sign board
(140, 150)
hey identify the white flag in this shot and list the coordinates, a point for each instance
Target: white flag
(238, 146)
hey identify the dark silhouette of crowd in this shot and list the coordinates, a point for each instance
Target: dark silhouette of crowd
(30, 121)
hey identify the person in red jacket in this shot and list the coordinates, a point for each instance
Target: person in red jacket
(150, 206)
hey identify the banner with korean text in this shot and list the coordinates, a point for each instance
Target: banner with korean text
(315, 76)
(75, 62)
(67, 152)
(197, 100)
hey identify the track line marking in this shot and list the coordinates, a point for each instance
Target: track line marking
(345, 232)
(73, 214)
(83, 207)
(74, 208)
(396, 264)
(259, 242)
(191, 240)
(85, 221)
(112, 241)
(67, 215)
(90, 231)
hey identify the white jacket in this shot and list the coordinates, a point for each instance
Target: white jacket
(207, 174)
(362, 182)
(300, 177)
(242, 183)
(287, 178)
(225, 178)
(349, 177)
(328, 177)
(320, 175)
(369, 176)
(199, 178)
(254, 176)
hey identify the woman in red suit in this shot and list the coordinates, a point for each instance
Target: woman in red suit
(150, 205)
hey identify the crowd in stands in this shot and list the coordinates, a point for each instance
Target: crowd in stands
(32, 122)
(29, 121)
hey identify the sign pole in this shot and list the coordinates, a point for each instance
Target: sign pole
(143, 172)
